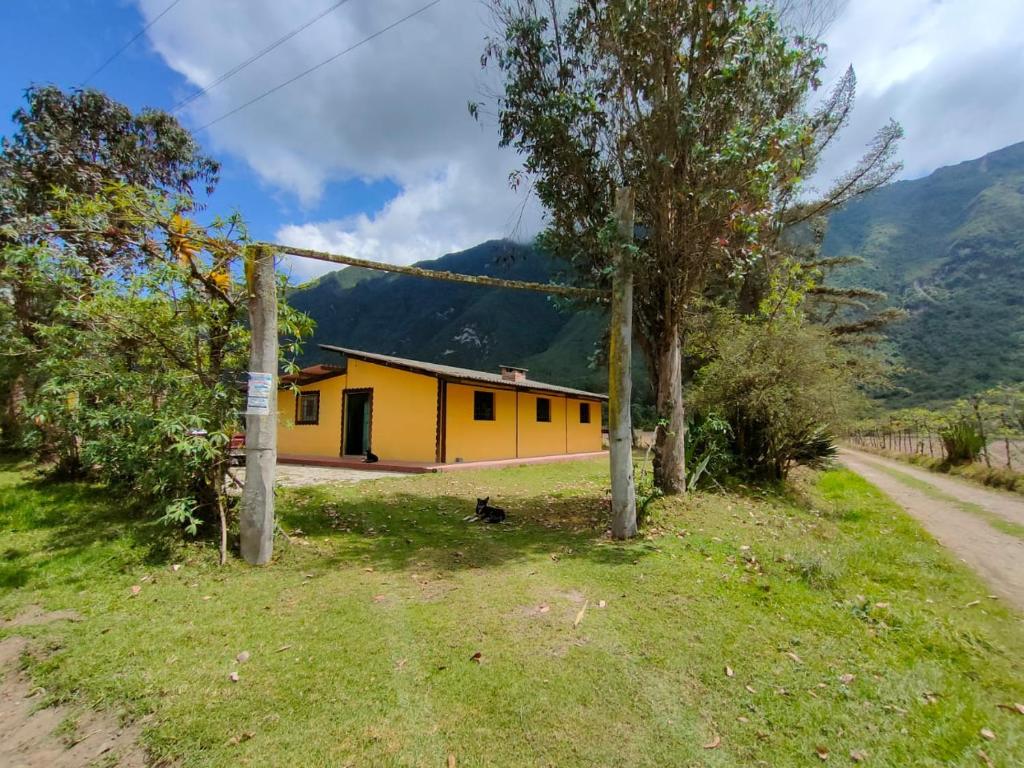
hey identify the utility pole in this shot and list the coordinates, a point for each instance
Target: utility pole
(256, 520)
(620, 383)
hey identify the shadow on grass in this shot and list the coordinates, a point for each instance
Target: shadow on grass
(75, 528)
(397, 530)
(76, 524)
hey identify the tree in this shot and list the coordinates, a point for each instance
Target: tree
(76, 144)
(783, 387)
(697, 107)
(135, 331)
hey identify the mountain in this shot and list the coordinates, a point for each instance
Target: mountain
(462, 325)
(948, 247)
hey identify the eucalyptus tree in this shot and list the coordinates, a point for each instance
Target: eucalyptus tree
(697, 107)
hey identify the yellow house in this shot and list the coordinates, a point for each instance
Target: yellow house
(410, 412)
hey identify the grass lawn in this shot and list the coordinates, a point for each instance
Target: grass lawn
(744, 629)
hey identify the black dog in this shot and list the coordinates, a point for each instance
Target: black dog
(371, 458)
(488, 513)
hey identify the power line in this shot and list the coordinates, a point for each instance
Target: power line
(323, 63)
(256, 57)
(128, 45)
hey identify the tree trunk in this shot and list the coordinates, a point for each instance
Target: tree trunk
(620, 384)
(670, 434)
(256, 520)
(14, 410)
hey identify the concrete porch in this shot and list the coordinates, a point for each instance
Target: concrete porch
(413, 467)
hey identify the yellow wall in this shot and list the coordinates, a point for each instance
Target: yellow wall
(321, 439)
(541, 438)
(471, 440)
(582, 438)
(404, 420)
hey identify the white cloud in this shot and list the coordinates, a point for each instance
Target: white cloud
(458, 209)
(949, 70)
(394, 109)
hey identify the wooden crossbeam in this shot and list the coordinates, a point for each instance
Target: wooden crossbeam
(593, 294)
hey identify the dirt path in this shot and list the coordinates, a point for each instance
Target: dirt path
(997, 556)
(54, 737)
(297, 475)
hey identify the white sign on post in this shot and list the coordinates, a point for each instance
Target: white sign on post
(258, 401)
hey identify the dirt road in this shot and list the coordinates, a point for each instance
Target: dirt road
(963, 517)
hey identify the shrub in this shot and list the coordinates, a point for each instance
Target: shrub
(963, 442)
(783, 387)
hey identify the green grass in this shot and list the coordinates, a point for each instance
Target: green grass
(362, 631)
(996, 521)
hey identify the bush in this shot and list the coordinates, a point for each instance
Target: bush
(784, 389)
(963, 442)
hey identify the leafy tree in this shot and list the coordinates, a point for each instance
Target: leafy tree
(134, 329)
(76, 144)
(699, 108)
(140, 376)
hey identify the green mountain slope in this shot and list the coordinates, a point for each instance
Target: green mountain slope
(462, 325)
(949, 248)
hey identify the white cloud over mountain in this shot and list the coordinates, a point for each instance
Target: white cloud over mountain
(952, 71)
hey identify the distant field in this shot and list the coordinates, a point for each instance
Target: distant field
(746, 628)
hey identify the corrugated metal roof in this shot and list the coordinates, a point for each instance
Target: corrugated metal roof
(462, 374)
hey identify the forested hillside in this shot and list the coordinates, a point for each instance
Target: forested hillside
(456, 324)
(948, 247)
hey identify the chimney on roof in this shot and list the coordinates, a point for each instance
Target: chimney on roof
(510, 373)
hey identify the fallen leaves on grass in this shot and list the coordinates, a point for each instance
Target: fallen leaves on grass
(602, 604)
(846, 679)
(451, 761)
(794, 657)
(987, 733)
(243, 657)
(821, 752)
(579, 616)
(240, 738)
(750, 689)
(714, 743)
(728, 671)
(136, 589)
(476, 657)
(400, 664)
(233, 677)
(282, 648)
(379, 598)
(1018, 708)
(543, 608)
(986, 759)
(858, 756)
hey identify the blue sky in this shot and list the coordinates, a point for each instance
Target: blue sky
(63, 41)
(375, 155)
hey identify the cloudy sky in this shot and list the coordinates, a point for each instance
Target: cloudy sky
(374, 154)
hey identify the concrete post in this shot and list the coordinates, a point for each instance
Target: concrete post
(256, 521)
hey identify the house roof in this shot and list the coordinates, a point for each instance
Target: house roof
(450, 372)
(313, 373)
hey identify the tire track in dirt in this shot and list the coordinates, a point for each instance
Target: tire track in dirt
(60, 736)
(998, 557)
